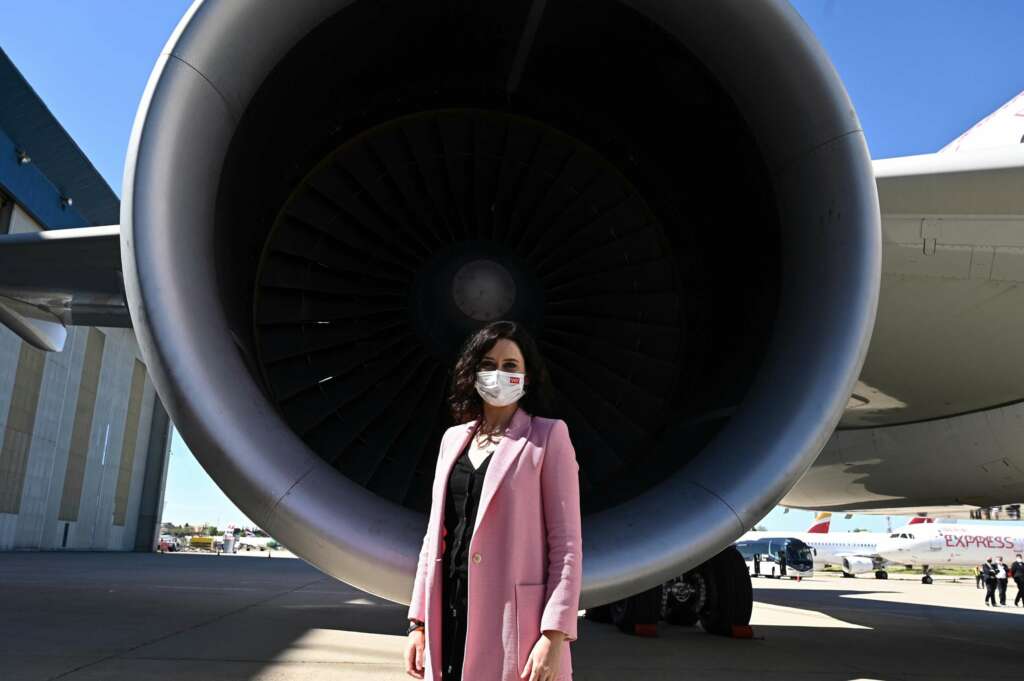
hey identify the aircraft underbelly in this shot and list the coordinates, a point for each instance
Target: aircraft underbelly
(937, 417)
(974, 460)
(949, 333)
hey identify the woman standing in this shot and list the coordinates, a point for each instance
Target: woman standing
(498, 582)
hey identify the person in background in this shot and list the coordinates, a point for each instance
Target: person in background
(989, 572)
(1002, 577)
(977, 577)
(1017, 571)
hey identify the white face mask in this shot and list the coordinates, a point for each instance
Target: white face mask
(500, 388)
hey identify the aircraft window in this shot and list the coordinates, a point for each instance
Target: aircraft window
(894, 536)
(910, 536)
(903, 536)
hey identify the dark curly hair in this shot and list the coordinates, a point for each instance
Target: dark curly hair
(465, 404)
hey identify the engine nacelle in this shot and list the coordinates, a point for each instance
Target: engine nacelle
(322, 199)
(858, 565)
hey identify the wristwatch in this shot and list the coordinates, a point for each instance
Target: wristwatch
(413, 626)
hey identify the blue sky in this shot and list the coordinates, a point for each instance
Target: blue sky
(919, 73)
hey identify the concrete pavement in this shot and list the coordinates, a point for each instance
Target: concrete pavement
(93, 616)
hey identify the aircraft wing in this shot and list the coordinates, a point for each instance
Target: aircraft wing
(58, 278)
(949, 334)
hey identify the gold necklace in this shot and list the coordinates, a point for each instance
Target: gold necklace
(480, 443)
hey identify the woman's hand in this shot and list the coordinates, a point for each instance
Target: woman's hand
(414, 654)
(542, 664)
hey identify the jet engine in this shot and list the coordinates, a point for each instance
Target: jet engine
(323, 198)
(858, 565)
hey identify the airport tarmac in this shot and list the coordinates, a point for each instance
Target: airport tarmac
(148, 617)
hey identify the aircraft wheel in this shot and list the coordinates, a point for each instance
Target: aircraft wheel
(682, 616)
(849, 575)
(730, 598)
(881, 574)
(927, 579)
(686, 613)
(640, 609)
(600, 613)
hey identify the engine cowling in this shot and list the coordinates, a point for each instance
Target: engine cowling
(858, 565)
(676, 198)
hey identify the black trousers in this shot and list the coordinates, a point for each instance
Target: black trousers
(453, 633)
(1002, 591)
(990, 591)
(1020, 591)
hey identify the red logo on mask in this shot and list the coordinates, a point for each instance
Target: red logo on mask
(512, 380)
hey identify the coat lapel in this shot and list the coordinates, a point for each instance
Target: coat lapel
(504, 456)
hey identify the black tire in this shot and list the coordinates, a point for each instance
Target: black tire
(730, 598)
(643, 608)
(681, 615)
(601, 613)
(927, 579)
(881, 574)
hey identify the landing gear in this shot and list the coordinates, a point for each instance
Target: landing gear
(717, 594)
(849, 575)
(881, 574)
(638, 614)
(927, 579)
(685, 598)
(601, 613)
(730, 597)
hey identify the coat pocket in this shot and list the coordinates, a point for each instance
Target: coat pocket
(529, 607)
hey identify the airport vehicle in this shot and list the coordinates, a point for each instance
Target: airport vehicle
(777, 557)
(958, 544)
(254, 540)
(203, 543)
(738, 308)
(169, 542)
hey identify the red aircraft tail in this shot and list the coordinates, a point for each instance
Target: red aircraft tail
(822, 521)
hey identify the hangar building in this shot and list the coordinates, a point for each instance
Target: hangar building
(83, 436)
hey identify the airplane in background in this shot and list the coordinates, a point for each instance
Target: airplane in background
(964, 545)
(856, 552)
(255, 539)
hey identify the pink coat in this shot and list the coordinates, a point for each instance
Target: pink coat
(526, 553)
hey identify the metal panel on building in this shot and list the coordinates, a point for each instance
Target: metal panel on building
(21, 419)
(74, 473)
(129, 442)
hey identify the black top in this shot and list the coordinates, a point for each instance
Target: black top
(464, 488)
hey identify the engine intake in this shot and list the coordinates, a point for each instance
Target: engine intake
(321, 200)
